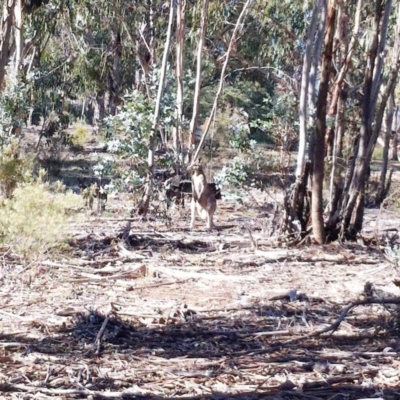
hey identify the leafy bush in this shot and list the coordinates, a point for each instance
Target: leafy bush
(279, 121)
(377, 154)
(13, 169)
(13, 106)
(79, 134)
(243, 171)
(128, 135)
(239, 137)
(129, 130)
(235, 174)
(34, 220)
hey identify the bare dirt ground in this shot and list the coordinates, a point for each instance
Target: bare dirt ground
(163, 312)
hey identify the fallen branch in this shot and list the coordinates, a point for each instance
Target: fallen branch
(335, 325)
(97, 342)
(7, 387)
(159, 284)
(334, 380)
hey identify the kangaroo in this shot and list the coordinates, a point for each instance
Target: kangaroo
(203, 196)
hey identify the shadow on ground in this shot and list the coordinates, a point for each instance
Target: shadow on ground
(256, 346)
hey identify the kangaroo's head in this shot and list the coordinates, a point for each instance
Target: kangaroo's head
(196, 168)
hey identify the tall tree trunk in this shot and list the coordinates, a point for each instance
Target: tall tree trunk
(389, 93)
(315, 62)
(314, 74)
(339, 81)
(352, 214)
(18, 36)
(222, 79)
(6, 26)
(318, 159)
(180, 41)
(299, 205)
(144, 204)
(385, 156)
(152, 33)
(393, 139)
(304, 91)
(378, 75)
(115, 74)
(196, 99)
(336, 182)
(337, 105)
(144, 57)
(389, 88)
(308, 92)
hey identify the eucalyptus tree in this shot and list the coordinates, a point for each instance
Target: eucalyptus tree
(317, 157)
(144, 204)
(344, 55)
(377, 86)
(196, 96)
(384, 179)
(11, 25)
(104, 34)
(180, 43)
(312, 51)
(16, 57)
(222, 79)
(360, 82)
(361, 86)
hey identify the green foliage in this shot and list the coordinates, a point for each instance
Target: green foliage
(244, 171)
(34, 220)
(79, 134)
(77, 55)
(377, 154)
(129, 133)
(13, 169)
(13, 106)
(235, 174)
(280, 120)
(272, 117)
(249, 96)
(239, 137)
(103, 168)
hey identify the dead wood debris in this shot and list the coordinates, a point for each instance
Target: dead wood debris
(195, 315)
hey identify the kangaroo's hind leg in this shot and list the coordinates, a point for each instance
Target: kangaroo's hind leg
(193, 213)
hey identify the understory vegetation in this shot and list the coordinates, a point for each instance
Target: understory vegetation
(35, 218)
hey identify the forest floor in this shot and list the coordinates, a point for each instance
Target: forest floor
(165, 312)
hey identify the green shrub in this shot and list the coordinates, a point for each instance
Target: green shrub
(13, 169)
(377, 154)
(244, 171)
(79, 134)
(128, 138)
(13, 105)
(34, 220)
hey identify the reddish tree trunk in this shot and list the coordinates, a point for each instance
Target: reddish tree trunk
(319, 142)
